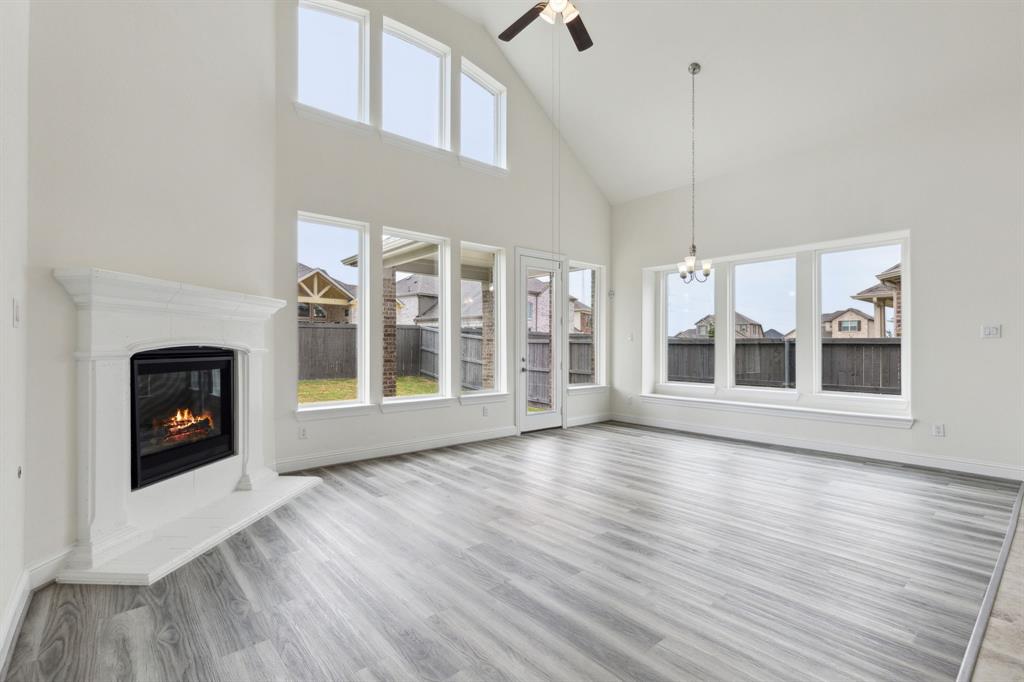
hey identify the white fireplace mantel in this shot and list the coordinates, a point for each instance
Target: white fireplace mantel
(137, 537)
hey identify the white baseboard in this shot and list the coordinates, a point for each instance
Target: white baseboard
(393, 448)
(835, 447)
(587, 419)
(45, 572)
(10, 619)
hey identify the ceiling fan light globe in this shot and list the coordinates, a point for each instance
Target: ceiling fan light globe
(558, 6)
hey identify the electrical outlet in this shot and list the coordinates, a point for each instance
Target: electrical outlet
(991, 331)
(939, 430)
(629, 337)
(485, 410)
(302, 433)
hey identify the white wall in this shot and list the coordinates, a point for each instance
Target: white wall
(151, 152)
(14, 26)
(330, 170)
(955, 181)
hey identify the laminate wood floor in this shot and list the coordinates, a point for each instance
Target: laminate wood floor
(602, 552)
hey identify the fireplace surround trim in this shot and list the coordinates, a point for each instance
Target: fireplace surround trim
(118, 316)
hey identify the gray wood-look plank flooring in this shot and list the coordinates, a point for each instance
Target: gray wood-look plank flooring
(602, 552)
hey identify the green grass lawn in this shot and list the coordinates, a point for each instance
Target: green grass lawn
(324, 390)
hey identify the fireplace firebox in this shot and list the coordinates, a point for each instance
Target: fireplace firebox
(182, 411)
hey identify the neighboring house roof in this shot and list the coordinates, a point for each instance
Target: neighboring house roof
(472, 303)
(892, 273)
(880, 290)
(417, 285)
(579, 305)
(774, 334)
(828, 317)
(740, 319)
(304, 271)
(537, 286)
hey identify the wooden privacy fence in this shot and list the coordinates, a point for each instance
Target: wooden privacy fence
(328, 351)
(852, 365)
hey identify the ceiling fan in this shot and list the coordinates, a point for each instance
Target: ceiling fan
(549, 11)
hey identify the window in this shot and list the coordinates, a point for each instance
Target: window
(415, 85)
(328, 287)
(582, 312)
(482, 117)
(414, 315)
(764, 328)
(690, 324)
(862, 320)
(332, 58)
(481, 320)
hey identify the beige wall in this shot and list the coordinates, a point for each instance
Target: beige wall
(151, 152)
(954, 179)
(14, 26)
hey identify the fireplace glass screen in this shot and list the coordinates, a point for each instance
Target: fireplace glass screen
(182, 411)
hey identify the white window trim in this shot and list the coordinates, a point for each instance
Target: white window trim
(445, 367)
(500, 93)
(362, 17)
(600, 328)
(500, 303)
(729, 327)
(807, 399)
(361, 404)
(444, 53)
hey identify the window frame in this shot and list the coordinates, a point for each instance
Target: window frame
(410, 35)
(858, 244)
(730, 321)
(500, 356)
(362, 398)
(500, 93)
(807, 399)
(662, 354)
(598, 323)
(362, 17)
(444, 321)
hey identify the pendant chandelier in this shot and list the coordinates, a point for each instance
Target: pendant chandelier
(688, 266)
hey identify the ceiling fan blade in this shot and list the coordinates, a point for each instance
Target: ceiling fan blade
(579, 34)
(522, 22)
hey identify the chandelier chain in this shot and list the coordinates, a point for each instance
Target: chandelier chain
(693, 157)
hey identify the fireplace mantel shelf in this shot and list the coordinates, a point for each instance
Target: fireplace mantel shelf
(105, 289)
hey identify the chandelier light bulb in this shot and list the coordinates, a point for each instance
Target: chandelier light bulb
(705, 266)
(691, 263)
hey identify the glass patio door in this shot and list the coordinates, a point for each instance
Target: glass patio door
(539, 352)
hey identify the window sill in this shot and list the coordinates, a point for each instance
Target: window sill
(483, 166)
(895, 421)
(417, 146)
(330, 411)
(321, 116)
(587, 389)
(482, 398)
(409, 404)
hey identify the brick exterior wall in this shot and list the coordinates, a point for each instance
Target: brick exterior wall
(390, 334)
(487, 351)
(898, 307)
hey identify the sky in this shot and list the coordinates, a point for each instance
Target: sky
(325, 246)
(411, 98)
(766, 291)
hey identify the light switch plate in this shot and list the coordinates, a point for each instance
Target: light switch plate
(991, 331)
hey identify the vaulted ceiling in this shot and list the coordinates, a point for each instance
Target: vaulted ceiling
(778, 76)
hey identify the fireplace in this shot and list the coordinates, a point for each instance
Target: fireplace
(182, 411)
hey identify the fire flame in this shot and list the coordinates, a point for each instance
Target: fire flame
(184, 420)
